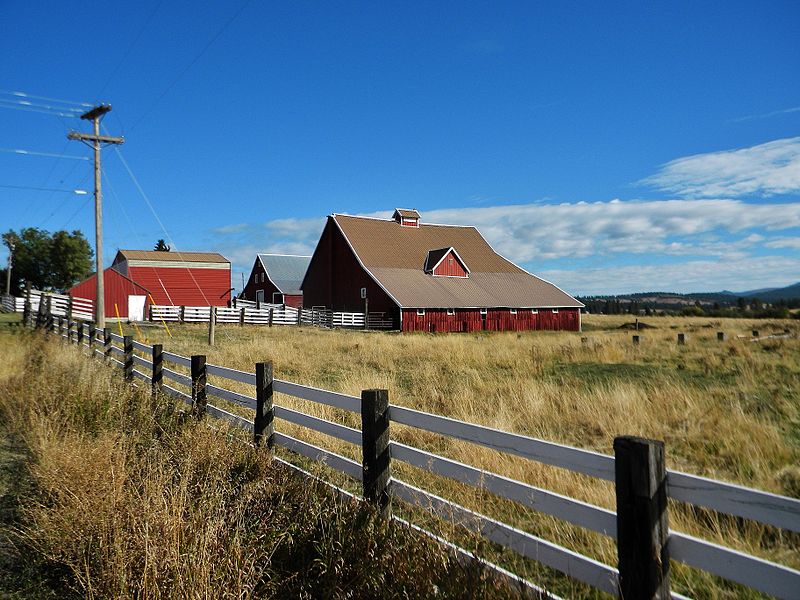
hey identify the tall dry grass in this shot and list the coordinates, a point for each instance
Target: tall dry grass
(130, 498)
(725, 410)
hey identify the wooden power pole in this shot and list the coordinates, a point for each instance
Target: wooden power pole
(96, 140)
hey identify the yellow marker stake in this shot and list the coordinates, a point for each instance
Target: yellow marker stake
(152, 302)
(116, 310)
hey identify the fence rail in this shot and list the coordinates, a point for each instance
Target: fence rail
(637, 465)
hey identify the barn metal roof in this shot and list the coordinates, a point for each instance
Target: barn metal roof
(173, 256)
(286, 271)
(396, 255)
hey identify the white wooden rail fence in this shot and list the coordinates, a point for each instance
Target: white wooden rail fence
(61, 305)
(762, 575)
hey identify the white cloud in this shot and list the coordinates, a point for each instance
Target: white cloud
(767, 115)
(763, 170)
(784, 242)
(531, 233)
(689, 276)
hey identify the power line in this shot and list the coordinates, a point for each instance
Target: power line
(47, 154)
(25, 108)
(45, 98)
(43, 106)
(130, 47)
(43, 189)
(213, 39)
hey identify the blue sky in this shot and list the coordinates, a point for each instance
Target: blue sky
(608, 148)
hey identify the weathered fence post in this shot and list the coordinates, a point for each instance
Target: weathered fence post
(127, 345)
(636, 340)
(375, 449)
(40, 312)
(106, 344)
(755, 333)
(269, 319)
(299, 315)
(681, 339)
(241, 316)
(721, 336)
(80, 334)
(199, 385)
(26, 310)
(69, 308)
(182, 314)
(264, 422)
(92, 336)
(212, 322)
(157, 376)
(642, 524)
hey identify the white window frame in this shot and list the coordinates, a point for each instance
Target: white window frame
(260, 296)
(420, 312)
(451, 311)
(555, 311)
(534, 311)
(281, 297)
(484, 311)
(513, 311)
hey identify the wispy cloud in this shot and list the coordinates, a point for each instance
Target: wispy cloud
(763, 170)
(784, 242)
(767, 115)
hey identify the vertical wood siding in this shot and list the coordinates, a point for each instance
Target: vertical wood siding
(499, 319)
(450, 267)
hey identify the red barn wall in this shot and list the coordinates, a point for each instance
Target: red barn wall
(450, 267)
(182, 285)
(116, 290)
(497, 319)
(335, 278)
(252, 286)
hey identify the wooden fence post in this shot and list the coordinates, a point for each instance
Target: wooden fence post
(182, 315)
(636, 340)
(107, 344)
(26, 309)
(269, 319)
(92, 336)
(681, 339)
(69, 308)
(375, 449)
(721, 336)
(642, 524)
(755, 333)
(199, 385)
(299, 315)
(157, 376)
(127, 345)
(40, 312)
(241, 316)
(80, 334)
(264, 422)
(212, 322)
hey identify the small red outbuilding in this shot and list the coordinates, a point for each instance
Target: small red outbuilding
(123, 296)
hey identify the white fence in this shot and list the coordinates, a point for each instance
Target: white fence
(633, 471)
(246, 313)
(61, 305)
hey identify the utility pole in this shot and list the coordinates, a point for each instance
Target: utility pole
(95, 115)
(10, 245)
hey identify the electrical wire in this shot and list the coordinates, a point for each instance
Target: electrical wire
(130, 47)
(43, 189)
(158, 220)
(76, 111)
(186, 69)
(24, 108)
(18, 94)
(47, 154)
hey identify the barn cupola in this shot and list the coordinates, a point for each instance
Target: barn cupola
(406, 217)
(445, 262)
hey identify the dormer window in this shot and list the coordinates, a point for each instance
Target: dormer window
(445, 262)
(406, 217)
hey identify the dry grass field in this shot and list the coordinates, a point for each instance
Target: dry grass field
(728, 410)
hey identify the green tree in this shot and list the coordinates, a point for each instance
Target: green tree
(48, 262)
(161, 246)
(70, 259)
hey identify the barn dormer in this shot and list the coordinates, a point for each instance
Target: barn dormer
(406, 217)
(445, 262)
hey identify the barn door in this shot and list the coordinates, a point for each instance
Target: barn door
(136, 308)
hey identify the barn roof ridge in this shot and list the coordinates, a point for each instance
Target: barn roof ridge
(173, 256)
(392, 256)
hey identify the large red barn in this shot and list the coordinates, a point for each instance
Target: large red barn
(425, 277)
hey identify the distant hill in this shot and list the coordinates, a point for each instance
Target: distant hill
(675, 301)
